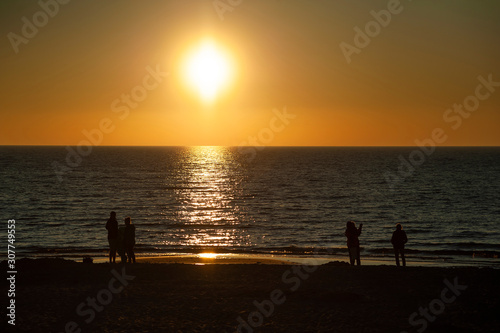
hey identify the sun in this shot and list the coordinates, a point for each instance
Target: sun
(208, 70)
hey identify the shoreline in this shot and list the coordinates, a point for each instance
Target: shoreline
(173, 297)
(270, 259)
(230, 258)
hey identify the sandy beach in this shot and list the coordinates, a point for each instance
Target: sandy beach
(54, 295)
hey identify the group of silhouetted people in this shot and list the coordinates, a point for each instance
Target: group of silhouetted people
(398, 241)
(121, 239)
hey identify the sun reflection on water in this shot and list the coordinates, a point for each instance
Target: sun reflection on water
(208, 255)
(209, 214)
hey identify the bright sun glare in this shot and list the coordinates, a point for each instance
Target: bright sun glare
(208, 255)
(208, 70)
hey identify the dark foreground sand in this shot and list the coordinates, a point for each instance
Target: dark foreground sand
(51, 293)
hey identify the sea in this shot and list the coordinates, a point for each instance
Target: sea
(269, 201)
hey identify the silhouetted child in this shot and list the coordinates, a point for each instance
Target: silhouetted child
(352, 234)
(129, 239)
(398, 241)
(120, 247)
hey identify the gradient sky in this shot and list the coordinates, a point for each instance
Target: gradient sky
(286, 54)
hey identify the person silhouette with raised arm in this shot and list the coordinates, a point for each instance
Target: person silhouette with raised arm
(398, 241)
(352, 233)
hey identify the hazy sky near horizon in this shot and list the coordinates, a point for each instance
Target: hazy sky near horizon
(72, 71)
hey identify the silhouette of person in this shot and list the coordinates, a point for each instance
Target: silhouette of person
(398, 241)
(112, 227)
(352, 234)
(129, 239)
(120, 247)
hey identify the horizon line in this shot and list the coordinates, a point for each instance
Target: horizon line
(230, 146)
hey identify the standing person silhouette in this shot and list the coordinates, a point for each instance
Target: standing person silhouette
(112, 227)
(398, 241)
(352, 234)
(129, 239)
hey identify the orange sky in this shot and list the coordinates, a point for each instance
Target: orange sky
(71, 75)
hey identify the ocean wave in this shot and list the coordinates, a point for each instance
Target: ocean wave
(207, 226)
(468, 253)
(286, 251)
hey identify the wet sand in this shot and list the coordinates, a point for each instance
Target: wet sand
(54, 295)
